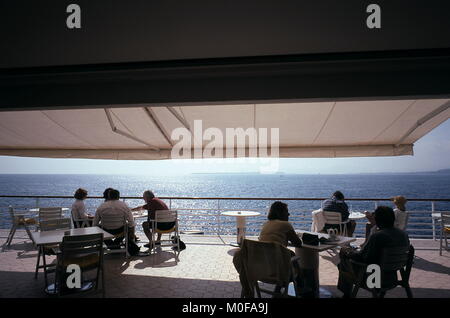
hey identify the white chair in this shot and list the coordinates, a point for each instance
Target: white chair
(19, 220)
(79, 223)
(49, 225)
(166, 216)
(335, 218)
(110, 222)
(445, 230)
(50, 213)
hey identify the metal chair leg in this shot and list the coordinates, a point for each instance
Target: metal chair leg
(37, 263)
(258, 291)
(354, 291)
(408, 291)
(29, 234)
(11, 234)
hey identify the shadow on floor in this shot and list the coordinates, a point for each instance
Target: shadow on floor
(233, 251)
(23, 284)
(428, 266)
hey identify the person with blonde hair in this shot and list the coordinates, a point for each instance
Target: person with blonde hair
(401, 216)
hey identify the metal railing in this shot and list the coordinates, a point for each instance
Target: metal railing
(204, 213)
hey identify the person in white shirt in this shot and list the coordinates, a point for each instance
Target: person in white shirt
(79, 209)
(115, 207)
(401, 217)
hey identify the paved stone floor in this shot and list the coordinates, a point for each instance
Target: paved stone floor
(205, 269)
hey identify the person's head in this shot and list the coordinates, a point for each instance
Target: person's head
(278, 211)
(400, 202)
(148, 195)
(384, 217)
(338, 195)
(106, 193)
(80, 194)
(114, 194)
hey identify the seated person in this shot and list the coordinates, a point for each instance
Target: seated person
(277, 228)
(152, 205)
(387, 236)
(401, 216)
(79, 209)
(400, 212)
(337, 204)
(106, 193)
(114, 207)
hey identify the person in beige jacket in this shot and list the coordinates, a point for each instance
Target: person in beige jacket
(254, 260)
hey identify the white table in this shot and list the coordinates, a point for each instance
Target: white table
(35, 210)
(356, 216)
(240, 223)
(309, 258)
(435, 217)
(56, 237)
(140, 214)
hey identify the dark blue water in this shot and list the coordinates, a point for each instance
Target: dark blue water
(231, 185)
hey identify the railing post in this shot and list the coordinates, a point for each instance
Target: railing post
(218, 218)
(37, 202)
(170, 204)
(376, 204)
(433, 221)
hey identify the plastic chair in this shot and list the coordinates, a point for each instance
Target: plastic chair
(80, 223)
(335, 218)
(394, 259)
(49, 225)
(269, 263)
(110, 222)
(445, 230)
(166, 216)
(19, 220)
(46, 214)
(86, 251)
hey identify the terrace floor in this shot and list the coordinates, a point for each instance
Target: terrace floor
(205, 270)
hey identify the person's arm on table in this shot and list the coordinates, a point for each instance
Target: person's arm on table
(294, 239)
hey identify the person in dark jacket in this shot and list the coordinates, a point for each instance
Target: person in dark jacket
(387, 236)
(337, 204)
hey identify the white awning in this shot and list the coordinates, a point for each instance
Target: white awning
(326, 129)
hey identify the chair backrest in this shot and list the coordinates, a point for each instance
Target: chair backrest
(266, 261)
(110, 221)
(394, 258)
(83, 250)
(79, 245)
(49, 214)
(78, 223)
(55, 224)
(166, 216)
(332, 217)
(445, 219)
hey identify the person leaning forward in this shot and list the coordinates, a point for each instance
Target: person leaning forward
(153, 204)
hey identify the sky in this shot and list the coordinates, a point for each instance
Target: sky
(431, 153)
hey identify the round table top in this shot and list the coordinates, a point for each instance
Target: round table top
(356, 216)
(436, 215)
(37, 209)
(140, 214)
(240, 213)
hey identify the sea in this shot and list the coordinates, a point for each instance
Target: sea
(413, 185)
